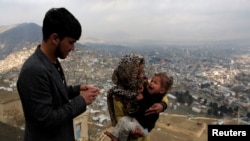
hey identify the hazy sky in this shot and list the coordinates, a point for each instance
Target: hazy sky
(167, 20)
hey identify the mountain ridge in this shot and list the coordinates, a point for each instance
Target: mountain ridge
(16, 37)
(19, 36)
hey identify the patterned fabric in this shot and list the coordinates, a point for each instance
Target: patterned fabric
(125, 75)
(125, 79)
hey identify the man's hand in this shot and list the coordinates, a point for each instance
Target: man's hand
(155, 108)
(89, 93)
(87, 87)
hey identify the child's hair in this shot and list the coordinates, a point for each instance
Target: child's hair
(166, 81)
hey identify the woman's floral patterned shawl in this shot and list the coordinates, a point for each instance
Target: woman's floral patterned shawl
(125, 79)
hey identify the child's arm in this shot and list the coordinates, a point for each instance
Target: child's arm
(158, 107)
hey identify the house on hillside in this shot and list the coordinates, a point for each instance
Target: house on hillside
(81, 126)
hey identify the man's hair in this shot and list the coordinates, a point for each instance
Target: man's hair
(61, 22)
(166, 81)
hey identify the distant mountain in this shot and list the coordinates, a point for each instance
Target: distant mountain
(105, 48)
(7, 27)
(16, 37)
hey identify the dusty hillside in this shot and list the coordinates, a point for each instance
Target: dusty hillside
(178, 128)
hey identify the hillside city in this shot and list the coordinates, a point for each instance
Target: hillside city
(209, 80)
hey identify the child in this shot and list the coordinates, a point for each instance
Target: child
(135, 103)
(153, 93)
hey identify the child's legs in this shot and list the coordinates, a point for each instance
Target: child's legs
(138, 125)
(125, 126)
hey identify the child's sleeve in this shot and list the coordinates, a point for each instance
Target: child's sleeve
(164, 102)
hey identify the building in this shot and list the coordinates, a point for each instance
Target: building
(195, 109)
(81, 126)
(171, 96)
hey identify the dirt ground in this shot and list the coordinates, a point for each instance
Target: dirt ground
(179, 128)
(9, 133)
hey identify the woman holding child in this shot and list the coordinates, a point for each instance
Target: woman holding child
(125, 99)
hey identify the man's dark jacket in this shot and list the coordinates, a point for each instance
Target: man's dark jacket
(49, 105)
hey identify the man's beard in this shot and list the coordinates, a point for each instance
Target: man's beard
(58, 52)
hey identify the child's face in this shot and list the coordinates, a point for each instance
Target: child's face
(155, 86)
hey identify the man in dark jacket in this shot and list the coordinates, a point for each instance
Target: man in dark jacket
(49, 104)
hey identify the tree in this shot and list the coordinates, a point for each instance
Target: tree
(205, 101)
(248, 115)
(230, 110)
(223, 109)
(180, 98)
(189, 100)
(209, 111)
(236, 108)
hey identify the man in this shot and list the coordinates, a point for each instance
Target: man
(50, 105)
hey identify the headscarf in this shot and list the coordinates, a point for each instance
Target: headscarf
(125, 74)
(125, 78)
